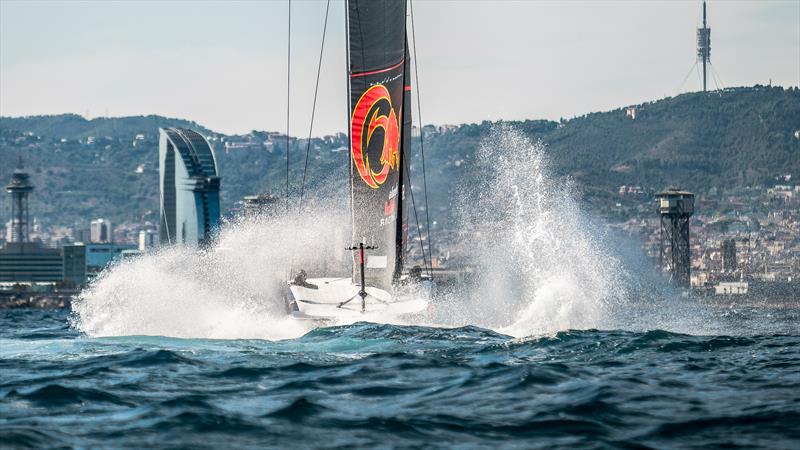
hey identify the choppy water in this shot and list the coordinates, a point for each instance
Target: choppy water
(368, 385)
(193, 349)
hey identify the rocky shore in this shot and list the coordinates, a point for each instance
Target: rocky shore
(56, 300)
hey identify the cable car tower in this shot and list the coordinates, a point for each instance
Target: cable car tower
(19, 188)
(675, 208)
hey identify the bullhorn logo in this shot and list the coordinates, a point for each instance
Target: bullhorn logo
(369, 115)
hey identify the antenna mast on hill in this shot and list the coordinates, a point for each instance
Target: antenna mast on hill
(704, 47)
(704, 57)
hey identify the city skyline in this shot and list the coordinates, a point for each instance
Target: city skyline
(573, 58)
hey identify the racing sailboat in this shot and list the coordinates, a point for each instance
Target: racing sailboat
(380, 141)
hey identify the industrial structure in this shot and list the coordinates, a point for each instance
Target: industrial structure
(20, 188)
(704, 48)
(189, 185)
(675, 208)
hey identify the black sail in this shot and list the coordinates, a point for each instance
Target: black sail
(377, 45)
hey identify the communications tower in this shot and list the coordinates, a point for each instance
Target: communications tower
(19, 188)
(704, 47)
(675, 208)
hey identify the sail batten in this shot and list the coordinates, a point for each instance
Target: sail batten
(379, 131)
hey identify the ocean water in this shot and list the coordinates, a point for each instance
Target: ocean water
(563, 338)
(398, 386)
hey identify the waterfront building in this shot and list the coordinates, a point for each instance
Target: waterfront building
(189, 183)
(731, 288)
(99, 256)
(148, 239)
(101, 232)
(74, 264)
(30, 262)
(259, 205)
(130, 254)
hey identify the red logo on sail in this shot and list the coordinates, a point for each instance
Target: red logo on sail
(366, 120)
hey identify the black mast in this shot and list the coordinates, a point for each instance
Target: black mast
(401, 236)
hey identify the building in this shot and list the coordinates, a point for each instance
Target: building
(189, 184)
(101, 232)
(82, 235)
(731, 288)
(74, 264)
(100, 256)
(129, 254)
(148, 240)
(729, 255)
(30, 262)
(259, 205)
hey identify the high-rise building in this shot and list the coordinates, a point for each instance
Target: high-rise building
(82, 235)
(19, 188)
(101, 232)
(148, 239)
(189, 187)
(74, 264)
(729, 255)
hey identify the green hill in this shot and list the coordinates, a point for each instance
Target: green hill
(100, 168)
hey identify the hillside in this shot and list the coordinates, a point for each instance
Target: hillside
(100, 168)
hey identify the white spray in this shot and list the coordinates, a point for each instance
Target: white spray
(542, 267)
(233, 289)
(539, 262)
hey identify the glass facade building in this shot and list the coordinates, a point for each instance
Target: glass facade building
(189, 188)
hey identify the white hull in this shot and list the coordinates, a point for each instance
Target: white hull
(325, 302)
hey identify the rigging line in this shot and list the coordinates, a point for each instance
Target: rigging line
(348, 102)
(714, 79)
(421, 141)
(164, 214)
(416, 219)
(314, 106)
(689, 73)
(715, 74)
(288, 92)
(699, 75)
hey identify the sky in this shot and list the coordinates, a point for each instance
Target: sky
(223, 64)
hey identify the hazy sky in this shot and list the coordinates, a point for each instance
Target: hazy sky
(223, 64)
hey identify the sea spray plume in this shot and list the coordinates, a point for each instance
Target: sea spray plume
(540, 262)
(233, 289)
